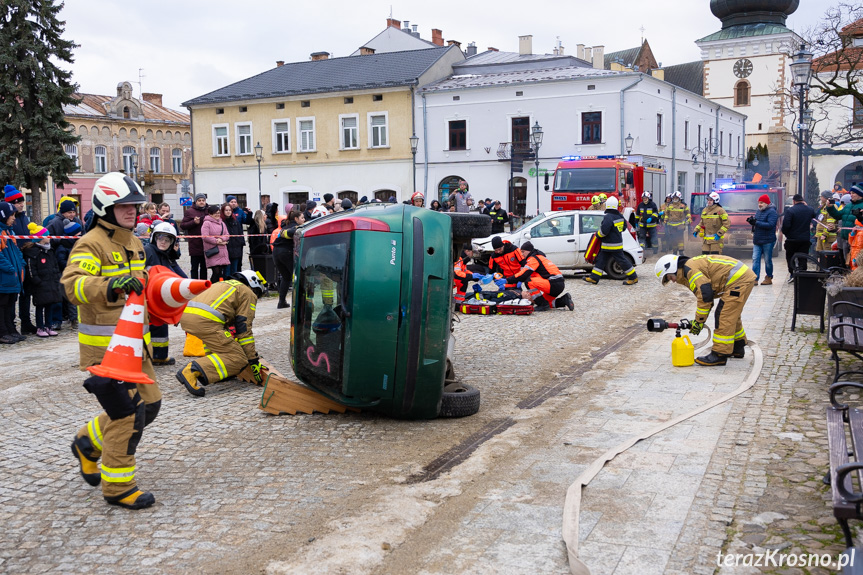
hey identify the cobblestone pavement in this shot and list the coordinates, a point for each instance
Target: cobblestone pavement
(239, 491)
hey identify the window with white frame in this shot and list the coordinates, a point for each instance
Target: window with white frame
(659, 129)
(72, 152)
(456, 135)
(281, 136)
(221, 146)
(155, 160)
(306, 134)
(686, 135)
(378, 130)
(681, 183)
(128, 167)
(244, 139)
(722, 143)
(100, 166)
(350, 132)
(177, 161)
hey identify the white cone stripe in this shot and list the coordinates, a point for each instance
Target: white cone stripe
(136, 344)
(185, 290)
(133, 312)
(166, 293)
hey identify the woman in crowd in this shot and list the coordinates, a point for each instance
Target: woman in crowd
(283, 253)
(272, 212)
(236, 243)
(216, 241)
(11, 276)
(435, 205)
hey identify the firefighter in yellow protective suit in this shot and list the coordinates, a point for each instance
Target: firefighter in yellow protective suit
(105, 265)
(825, 229)
(676, 217)
(713, 225)
(209, 317)
(710, 278)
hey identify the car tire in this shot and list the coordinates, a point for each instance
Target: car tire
(614, 271)
(459, 400)
(468, 226)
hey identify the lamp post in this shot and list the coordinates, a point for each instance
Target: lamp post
(415, 141)
(628, 142)
(801, 70)
(259, 155)
(536, 139)
(711, 150)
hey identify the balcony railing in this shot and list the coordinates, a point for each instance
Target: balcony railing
(508, 151)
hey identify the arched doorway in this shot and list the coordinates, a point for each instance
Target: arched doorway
(518, 196)
(848, 176)
(352, 196)
(447, 186)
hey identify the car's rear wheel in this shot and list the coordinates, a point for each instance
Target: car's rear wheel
(459, 400)
(615, 271)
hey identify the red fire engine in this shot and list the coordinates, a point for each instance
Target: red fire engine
(578, 178)
(739, 200)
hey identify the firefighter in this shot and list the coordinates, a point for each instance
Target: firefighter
(499, 218)
(506, 259)
(209, 317)
(418, 199)
(611, 235)
(825, 229)
(676, 217)
(105, 265)
(603, 199)
(712, 277)
(161, 252)
(539, 277)
(648, 218)
(713, 226)
(595, 202)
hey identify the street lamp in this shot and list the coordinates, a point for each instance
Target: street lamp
(628, 142)
(536, 139)
(415, 141)
(259, 155)
(710, 150)
(801, 70)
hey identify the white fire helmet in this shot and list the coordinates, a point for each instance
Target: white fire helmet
(115, 188)
(611, 203)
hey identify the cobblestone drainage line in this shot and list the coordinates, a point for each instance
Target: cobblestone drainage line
(541, 395)
(572, 502)
(461, 451)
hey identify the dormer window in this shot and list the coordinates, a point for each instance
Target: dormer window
(126, 113)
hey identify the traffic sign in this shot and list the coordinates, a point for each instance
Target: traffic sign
(186, 202)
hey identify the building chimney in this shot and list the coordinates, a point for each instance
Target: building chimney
(492, 49)
(152, 98)
(451, 42)
(366, 51)
(525, 45)
(280, 63)
(587, 57)
(320, 56)
(407, 27)
(471, 50)
(393, 23)
(437, 37)
(414, 29)
(579, 51)
(599, 57)
(560, 49)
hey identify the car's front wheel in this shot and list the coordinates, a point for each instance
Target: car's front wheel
(614, 269)
(459, 400)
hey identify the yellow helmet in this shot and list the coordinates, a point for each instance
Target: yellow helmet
(602, 198)
(595, 201)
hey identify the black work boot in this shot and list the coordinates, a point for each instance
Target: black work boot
(135, 499)
(739, 349)
(712, 358)
(82, 450)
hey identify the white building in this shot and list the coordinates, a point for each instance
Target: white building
(471, 121)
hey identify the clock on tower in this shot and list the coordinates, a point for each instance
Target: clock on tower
(742, 68)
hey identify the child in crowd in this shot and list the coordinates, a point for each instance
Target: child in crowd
(44, 279)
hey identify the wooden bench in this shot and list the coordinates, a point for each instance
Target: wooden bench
(845, 334)
(845, 441)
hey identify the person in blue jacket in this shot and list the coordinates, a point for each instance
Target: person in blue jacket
(11, 276)
(763, 238)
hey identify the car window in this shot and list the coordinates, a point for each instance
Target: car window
(554, 226)
(320, 318)
(590, 223)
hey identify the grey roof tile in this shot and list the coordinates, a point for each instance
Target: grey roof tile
(689, 76)
(628, 56)
(517, 77)
(335, 74)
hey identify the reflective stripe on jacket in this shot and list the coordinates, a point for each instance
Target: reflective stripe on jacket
(228, 303)
(709, 276)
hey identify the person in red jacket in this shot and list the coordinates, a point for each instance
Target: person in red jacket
(506, 260)
(463, 273)
(539, 277)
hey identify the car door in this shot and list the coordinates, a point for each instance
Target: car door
(588, 224)
(554, 236)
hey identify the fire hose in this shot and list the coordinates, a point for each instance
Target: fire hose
(572, 504)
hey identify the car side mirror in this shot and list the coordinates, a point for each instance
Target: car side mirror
(630, 180)
(526, 235)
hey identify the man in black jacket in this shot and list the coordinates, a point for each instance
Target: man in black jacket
(796, 223)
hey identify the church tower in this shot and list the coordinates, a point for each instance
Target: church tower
(746, 69)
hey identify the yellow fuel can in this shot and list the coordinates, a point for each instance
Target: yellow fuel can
(682, 352)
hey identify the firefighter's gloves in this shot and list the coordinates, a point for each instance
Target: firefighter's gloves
(696, 327)
(501, 283)
(649, 220)
(477, 277)
(715, 237)
(124, 284)
(695, 234)
(256, 367)
(477, 288)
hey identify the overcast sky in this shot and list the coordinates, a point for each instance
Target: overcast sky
(188, 48)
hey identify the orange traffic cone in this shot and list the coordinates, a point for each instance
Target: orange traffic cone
(124, 359)
(167, 294)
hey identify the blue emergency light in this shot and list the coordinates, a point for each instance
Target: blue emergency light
(571, 158)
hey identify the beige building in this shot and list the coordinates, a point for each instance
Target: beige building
(327, 125)
(122, 133)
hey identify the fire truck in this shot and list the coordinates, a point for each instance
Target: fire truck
(578, 178)
(740, 200)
